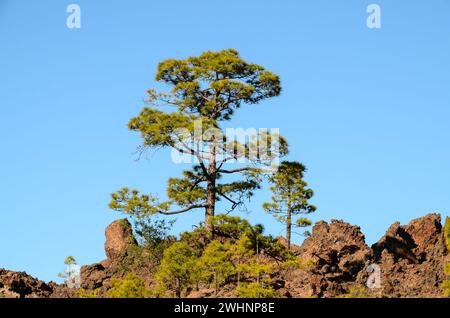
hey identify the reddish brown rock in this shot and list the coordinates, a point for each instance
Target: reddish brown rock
(338, 254)
(335, 260)
(93, 276)
(119, 236)
(21, 285)
(412, 258)
(119, 240)
(396, 242)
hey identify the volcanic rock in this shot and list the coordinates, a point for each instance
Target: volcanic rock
(21, 285)
(119, 236)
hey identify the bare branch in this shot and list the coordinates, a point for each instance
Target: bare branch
(235, 204)
(195, 206)
(235, 170)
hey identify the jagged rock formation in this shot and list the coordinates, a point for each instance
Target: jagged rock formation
(119, 240)
(119, 236)
(337, 253)
(22, 285)
(410, 257)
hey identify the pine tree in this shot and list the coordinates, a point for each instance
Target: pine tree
(71, 275)
(241, 251)
(260, 274)
(290, 197)
(177, 268)
(206, 89)
(215, 263)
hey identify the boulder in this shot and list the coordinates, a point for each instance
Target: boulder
(119, 236)
(119, 239)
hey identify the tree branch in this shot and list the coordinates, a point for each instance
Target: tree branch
(235, 170)
(191, 151)
(195, 206)
(235, 204)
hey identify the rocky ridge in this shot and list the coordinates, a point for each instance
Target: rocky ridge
(410, 259)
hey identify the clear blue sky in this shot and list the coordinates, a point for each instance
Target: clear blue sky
(366, 110)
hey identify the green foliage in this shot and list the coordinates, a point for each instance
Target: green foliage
(197, 239)
(447, 269)
(70, 260)
(86, 293)
(260, 276)
(234, 229)
(215, 264)
(446, 283)
(132, 286)
(177, 268)
(447, 232)
(290, 196)
(230, 226)
(303, 222)
(254, 269)
(269, 245)
(214, 84)
(139, 259)
(133, 203)
(153, 235)
(446, 287)
(254, 290)
(355, 292)
(70, 273)
(161, 129)
(295, 263)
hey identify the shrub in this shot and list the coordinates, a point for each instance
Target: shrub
(132, 286)
(177, 268)
(86, 293)
(447, 232)
(355, 292)
(254, 290)
(153, 235)
(215, 264)
(230, 226)
(446, 283)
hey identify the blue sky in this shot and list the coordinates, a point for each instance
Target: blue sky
(366, 110)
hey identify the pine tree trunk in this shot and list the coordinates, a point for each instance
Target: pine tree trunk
(239, 272)
(178, 291)
(288, 228)
(211, 203)
(216, 284)
(211, 191)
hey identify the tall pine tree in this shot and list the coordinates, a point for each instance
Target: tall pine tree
(290, 197)
(205, 92)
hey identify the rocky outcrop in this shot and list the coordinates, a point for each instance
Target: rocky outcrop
(119, 241)
(119, 236)
(93, 276)
(334, 256)
(412, 258)
(22, 285)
